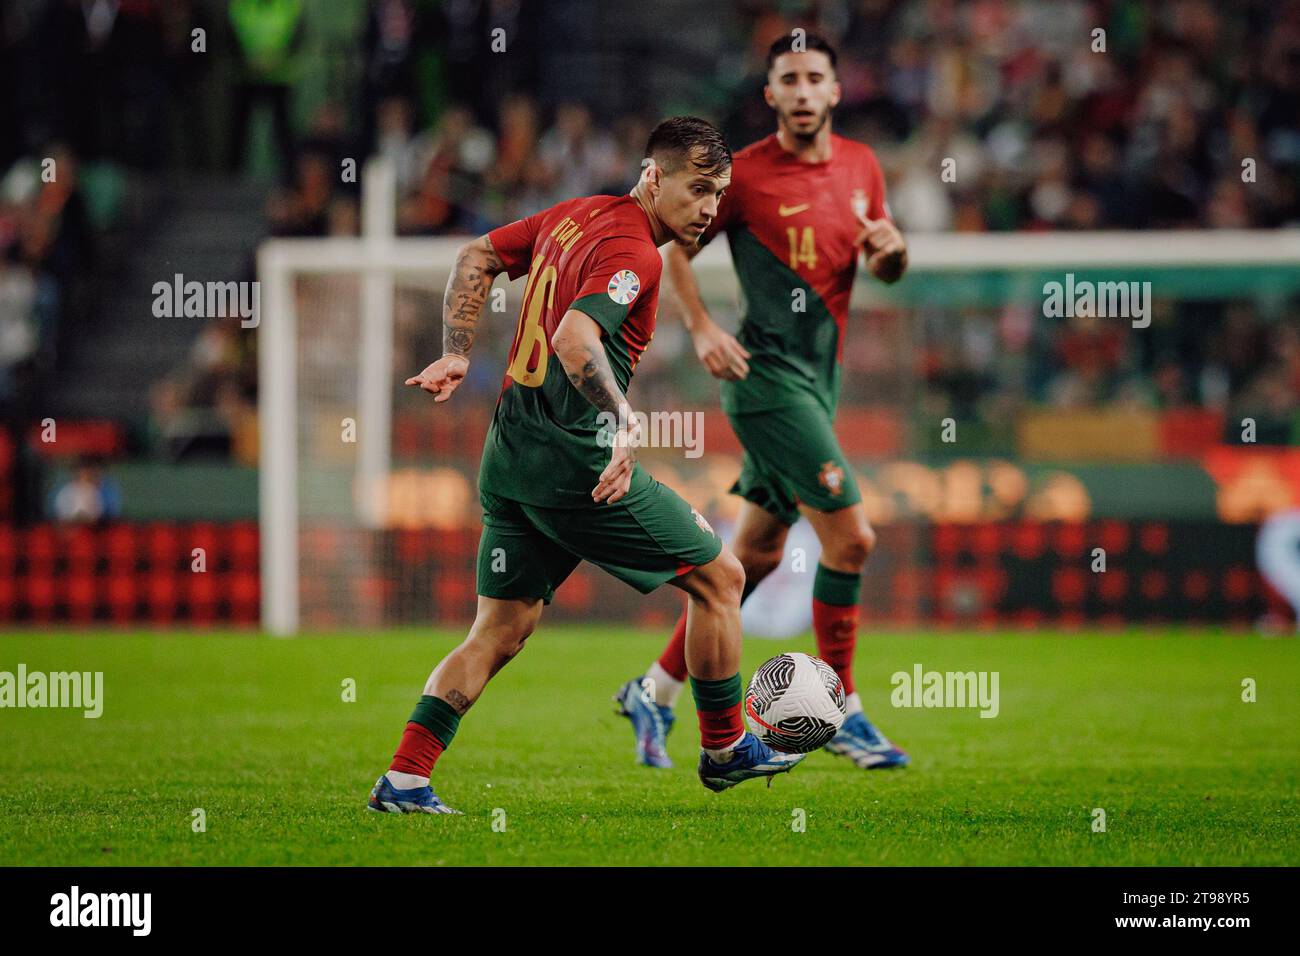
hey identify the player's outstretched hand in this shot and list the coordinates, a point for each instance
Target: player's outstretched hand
(885, 247)
(721, 354)
(441, 378)
(616, 479)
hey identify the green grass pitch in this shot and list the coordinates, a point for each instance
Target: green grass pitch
(1148, 726)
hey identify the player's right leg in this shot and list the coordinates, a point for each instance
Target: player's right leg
(648, 701)
(653, 537)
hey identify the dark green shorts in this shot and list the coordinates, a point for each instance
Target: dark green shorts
(645, 540)
(791, 458)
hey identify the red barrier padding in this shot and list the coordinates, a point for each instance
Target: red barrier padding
(1189, 432)
(79, 439)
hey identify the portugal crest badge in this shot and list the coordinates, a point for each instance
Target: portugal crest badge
(832, 478)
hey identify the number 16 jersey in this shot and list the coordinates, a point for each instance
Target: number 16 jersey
(596, 255)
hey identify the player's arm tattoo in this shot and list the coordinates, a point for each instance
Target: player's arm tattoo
(588, 369)
(467, 290)
(578, 346)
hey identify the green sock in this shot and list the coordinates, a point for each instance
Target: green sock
(839, 588)
(716, 694)
(436, 716)
(717, 705)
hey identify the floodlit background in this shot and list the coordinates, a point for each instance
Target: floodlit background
(129, 440)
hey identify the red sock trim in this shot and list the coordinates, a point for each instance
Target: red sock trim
(836, 628)
(418, 751)
(673, 659)
(719, 728)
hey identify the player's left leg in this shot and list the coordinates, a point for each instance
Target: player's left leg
(518, 570)
(499, 631)
(847, 541)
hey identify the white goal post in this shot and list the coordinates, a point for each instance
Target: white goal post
(378, 258)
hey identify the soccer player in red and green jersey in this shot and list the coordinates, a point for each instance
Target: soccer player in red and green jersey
(804, 205)
(559, 482)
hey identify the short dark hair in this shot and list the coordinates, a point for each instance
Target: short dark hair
(811, 41)
(682, 139)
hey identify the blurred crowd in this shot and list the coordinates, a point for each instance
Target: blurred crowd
(1045, 114)
(987, 365)
(45, 250)
(1079, 115)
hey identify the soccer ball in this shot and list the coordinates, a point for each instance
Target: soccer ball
(795, 703)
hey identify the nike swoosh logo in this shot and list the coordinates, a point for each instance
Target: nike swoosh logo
(791, 210)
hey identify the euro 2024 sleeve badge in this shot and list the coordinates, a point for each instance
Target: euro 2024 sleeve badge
(623, 286)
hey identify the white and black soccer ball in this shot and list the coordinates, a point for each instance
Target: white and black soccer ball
(795, 703)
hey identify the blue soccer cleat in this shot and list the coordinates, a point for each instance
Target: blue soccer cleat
(385, 798)
(867, 747)
(650, 723)
(751, 759)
